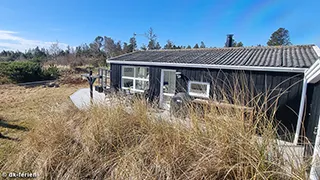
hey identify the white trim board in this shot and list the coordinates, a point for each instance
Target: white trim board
(317, 50)
(161, 87)
(134, 78)
(301, 109)
(212, 66)
(313, 73)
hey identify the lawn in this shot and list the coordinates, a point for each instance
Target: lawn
(20, 107)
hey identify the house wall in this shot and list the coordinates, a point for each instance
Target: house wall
(115, 76)
(243, 86)
(312, 113)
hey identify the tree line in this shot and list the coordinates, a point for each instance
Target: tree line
(104, 47)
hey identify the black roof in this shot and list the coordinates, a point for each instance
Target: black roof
(301, 56)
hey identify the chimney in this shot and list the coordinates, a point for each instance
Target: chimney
(229, 40)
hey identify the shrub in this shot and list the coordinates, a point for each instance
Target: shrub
(26, 71)
(4, 68)
(52, 72)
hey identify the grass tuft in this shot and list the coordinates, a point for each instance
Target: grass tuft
(127, 141)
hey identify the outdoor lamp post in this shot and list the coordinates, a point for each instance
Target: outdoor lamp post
(91, 79)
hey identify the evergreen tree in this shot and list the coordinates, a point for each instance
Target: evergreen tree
(118, 48)
(152, 39)
(196, 46)
(152, 44)
(239, 44)
(158, 46)
(279, 38)
(202, 45)
(126, 48)
(143, 47)
(169, 45)
(132, 44)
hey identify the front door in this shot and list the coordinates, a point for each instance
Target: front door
(167, 87)
(313, 128)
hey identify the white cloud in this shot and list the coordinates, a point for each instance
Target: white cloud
(10, 40)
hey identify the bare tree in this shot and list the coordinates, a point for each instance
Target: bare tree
(153, 44)
(109, 46)
(54, 50)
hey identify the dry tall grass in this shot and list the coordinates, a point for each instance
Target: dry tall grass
(126, 141)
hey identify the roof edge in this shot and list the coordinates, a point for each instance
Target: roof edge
(122, 55)
(317, 50)
(214, 48)
(212, 66)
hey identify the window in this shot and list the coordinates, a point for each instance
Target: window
(135, 78)
(199, 89)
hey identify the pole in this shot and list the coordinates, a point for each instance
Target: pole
(91, 85)
(301, 111)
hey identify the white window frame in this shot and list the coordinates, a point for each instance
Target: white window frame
(134, 78)
(162, 94)
(197, 94)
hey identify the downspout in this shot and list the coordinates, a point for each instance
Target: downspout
(301, 109)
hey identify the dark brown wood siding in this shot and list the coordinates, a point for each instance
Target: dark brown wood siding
(115, 76)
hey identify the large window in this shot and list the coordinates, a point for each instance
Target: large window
(135, 78)
(199, 89)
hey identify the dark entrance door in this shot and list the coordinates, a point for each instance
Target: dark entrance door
(312, 113)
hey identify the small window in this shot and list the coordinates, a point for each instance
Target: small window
(199, 89)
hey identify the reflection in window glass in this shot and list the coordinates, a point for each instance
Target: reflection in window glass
(142, 85)
(128, 71)
(142, 72)
(169, 83)
(127, 83)
(199, 89)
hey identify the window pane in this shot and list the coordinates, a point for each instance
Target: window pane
(142, 85)
(198, 88)
(128, 83)
(128, 71)
(169, 83)
(142, 72)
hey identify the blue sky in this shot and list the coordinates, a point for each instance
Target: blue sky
(25, 24)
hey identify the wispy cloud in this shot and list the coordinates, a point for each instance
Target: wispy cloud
(10, 40)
